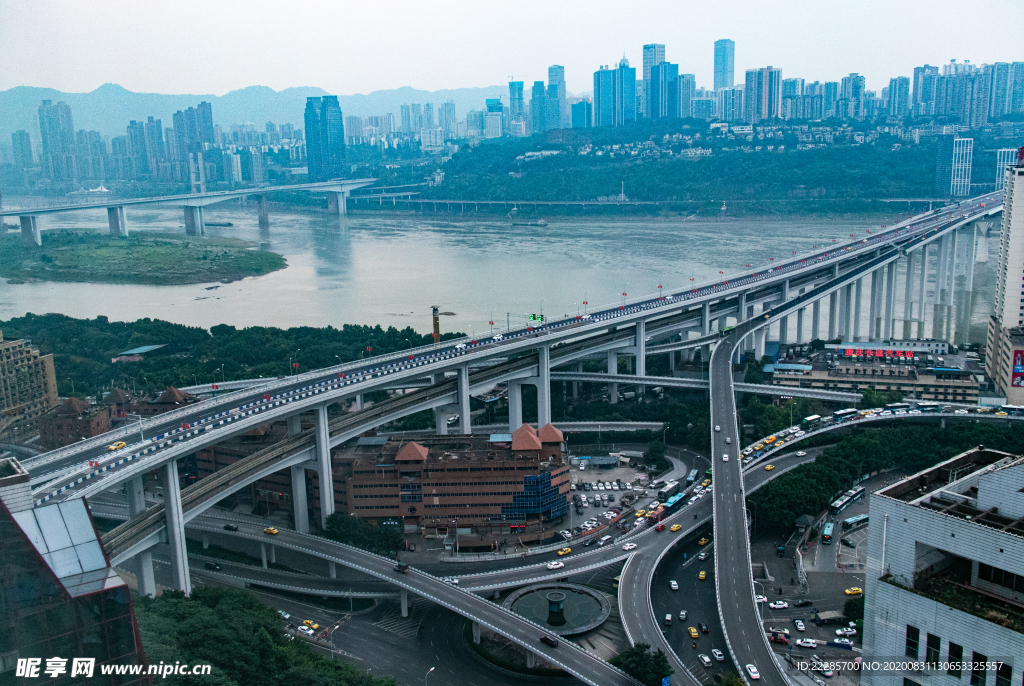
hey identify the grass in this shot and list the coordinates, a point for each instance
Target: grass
(141, 258)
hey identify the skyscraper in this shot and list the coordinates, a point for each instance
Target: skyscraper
(428, 116)
(762, 96)
(725, 58)
(851, 92)
(662, 84)
(57, 130)
(899, 96)
(1004, 341)
(654, 54)
(687, 92)
(416, 111)
(406, 115)
(314, 157)
(516, 105)
(582, 114)
(204, 122)
(963, 150)
(1016, 87)
(446, 118)
(22, 145)
(923, 87)
(615, 95)
(557, 114)
(538, 107)
(730, 103)
(138, 151)
(1004, 158)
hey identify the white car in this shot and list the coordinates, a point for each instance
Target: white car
(728, 440)
(725, 457)
(799, 623)
(961, 411)
(305, 630)
(846, 631)
(497, 337)
(284, 614)
(778, 605)
(704, 660)
(460, 346)
(801, 453)
(761, 599)
(682, 615)
(752, 671)
(717, 427)
(629, 546)
(807, 643)
(451, 580)
(556, 565)
(784, 632)
(674, 585)
(843, 641)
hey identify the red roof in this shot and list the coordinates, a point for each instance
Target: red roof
(549, 434)
(525, 438)
(412, 452)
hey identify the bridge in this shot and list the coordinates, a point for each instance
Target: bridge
(337, 191)
(443, 375)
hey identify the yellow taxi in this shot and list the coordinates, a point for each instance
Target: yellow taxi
(705, 483)
(693, 632)
(759, 446)
(641, 513)
(703, 575)
(675, 527)
(270, 530)
(564, 551)
(702, 541)
(1002, 414)
(770, 439)
(117, 446)
(854, 591)
(769, 467)
(311, 624)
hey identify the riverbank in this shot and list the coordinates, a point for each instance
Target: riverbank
(142, 258)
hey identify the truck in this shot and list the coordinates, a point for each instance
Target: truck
(829, 617)
(402, 568)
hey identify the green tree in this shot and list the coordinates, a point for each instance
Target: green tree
(648, 667)
(853, 608)
(654, 456)
(359, 533)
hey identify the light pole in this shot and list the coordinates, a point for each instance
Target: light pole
(132, 415)
(427, 674)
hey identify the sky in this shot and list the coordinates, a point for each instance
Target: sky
(190, 46)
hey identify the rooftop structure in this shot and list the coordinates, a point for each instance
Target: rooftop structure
(71, 421)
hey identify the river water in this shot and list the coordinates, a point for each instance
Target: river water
(389, 271)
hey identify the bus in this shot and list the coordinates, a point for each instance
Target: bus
(691, 477)
(668, 490)
(855, 493)
(1012, 410)
(708, 473)
(657, 515)
(854, 521)
(826, 534)
(674, 502)
(897, 406)
(839, 505)
(811, 423)
(726, 330)
(843, 415)
(928, 407)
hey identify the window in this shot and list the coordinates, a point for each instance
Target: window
(931, 650)
(1004, 675)
(913, 639)
(956, 656)
(978, 673)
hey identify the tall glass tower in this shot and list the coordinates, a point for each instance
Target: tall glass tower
(725, 63)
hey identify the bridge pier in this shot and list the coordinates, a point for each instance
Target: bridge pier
(263, 211)
(476, 632)
(873, 306)
(144, 560)
(115, 219)
(641, 349)
(465, 420)
(294, 425)
(543, 386)
(30, 230)
(531, 659)
(206, 541)
(337, 203)
(263, 554)
(908, 305)
(921, 290)
(613, 368)
(800, 325)
(938, 319)
(332, 569)
(405, 603)
(858, 296)
(816, 320)
(300, 507)
(833, 300)
(890, 297)
(515, 405)
(194, 224)
(323, 459)
(175, 527)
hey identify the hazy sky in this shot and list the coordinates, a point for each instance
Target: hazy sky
(214, 46)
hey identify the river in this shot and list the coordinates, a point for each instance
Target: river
(389, 271)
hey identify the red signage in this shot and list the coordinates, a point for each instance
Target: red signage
(900, 354)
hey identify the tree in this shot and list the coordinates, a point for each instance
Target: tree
(359, 533)
(731, 679)
(648, 667)
(654, 456)
(853, 608)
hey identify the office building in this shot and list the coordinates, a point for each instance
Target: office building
(687, 92)
(1004, 158)
(654, 54)
(22, 146)
(725, 60)
(730, 103)
(516, 104)
(583, 114)
(557, 112)
(945, 573)
(762, 95)
(963, 150)
(62, 601)
(1004, 345)
(538, 107)
(615, 95)
(488, 482)
(899, 97)
(57, 130)
(28, 384)
(325, 138)
(662, 85)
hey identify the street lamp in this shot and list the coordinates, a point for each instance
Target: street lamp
(132, 415)
(427, 674)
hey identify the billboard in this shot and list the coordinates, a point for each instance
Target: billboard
(1017, 380)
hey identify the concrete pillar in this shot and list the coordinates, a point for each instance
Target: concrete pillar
(476, 632)
(273, 554)
(705, 318)
(641, 349)
(531, 659)
(206, 541)
(359, 401)
(340, 203)
(671, 361)
(515, 405)
(800, 325)
(942, 264)
(294, 425)
(890, 296)
(441, 419)
(144, 560)
(833, 300)
(543, 386)
(844, 315)
(921, 292)
(816, 320)
(859, 293)
(873, 305)
(908, 304)
(405, 603)
(299, 503)
(951, 284)
(175, 527)
(115, 220)
(783, 330)
(30, 231)
(332, 569)
(465, 420)
(760, 335)
(194, 225)
(263, 554)
(613, 368)
(136, 496)
(323, 461)
(578, 368)
(263, 211)
(147, 582)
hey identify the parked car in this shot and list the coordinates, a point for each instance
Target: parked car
(807, 643)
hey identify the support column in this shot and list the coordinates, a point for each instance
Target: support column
(833, 300)
(908, 304)
(476, 632)
(671, 361)
(263, 211)
(859, 292)
(760, 335)
(332, 569)
(206, 541)
(641, 349)
(543, 386)
(873, 305)
(705, 329)
(299, 504)
(844, 316)
(359, 401)
(951, 281)
(175, 527)
(294, 425)
(115, 220)
(323, 461)
(938, 307)
(465, 420)
(890, 297)
(613, 368)
(531, 659)
(273, 554)
(800, 325)
(578, 368)
(147, 582)
(441, 419)
(783, 332)
(337, 203)
(515, 405)
(921, 292)
(194, 225)
(263, 554)
(144, 560)
(816, 320)
(405, 603)
(30, 231)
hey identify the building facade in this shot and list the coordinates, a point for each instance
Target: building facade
(325, 138)
(725, 61)
(72, 421)
(28, 384)
(615, 95)
(1004, 344)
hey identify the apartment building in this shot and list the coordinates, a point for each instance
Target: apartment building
(28, 384)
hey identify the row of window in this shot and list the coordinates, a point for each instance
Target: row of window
(438, 495)
(1014, 582)
(441, 484)
(955, 658)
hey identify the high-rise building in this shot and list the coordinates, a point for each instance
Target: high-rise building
(538, 107)
(557, 110)
(923, 90)
(662, 83)
(899, 97)
(945, 572)
(1004, 158)
(138, 150)
(615, 95)
(416, 110)
(963, 151)
(516, 104)
(28, 383)
(406, 115)
(725, 59)
(446, 118)
(851, 92)
(654, 54)
(792, 88)
(428, 116)
(1016, 87)
(22, 146)
(730, 103)
(687, 93)
(314, 157)
(999, 89)
(1004, 345)
(762, 97)
(582, 114)
(354, 130)
(57, 131)
(204, 122)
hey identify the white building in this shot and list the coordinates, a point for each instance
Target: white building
(493, 125)
(1004, 346)
(431, 140)
(963, 151)
(945, 573)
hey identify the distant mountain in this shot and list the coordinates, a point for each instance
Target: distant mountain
(109, 108)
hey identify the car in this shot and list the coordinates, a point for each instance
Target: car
(629, 546)
(497, 337)
(212, 565)
(803, 603)
(799, 623)
(778, 605)
(270, 530)
(674, 585)
(555, 565)
(460, 346)
(654, 506)
(675, 527)
(703, 575)
(311, 624)
(761, 598)
(843, 641)
(682, 615)
(454, 581)
(759, 446)
(717, 427)
(728, 440)
(819, 667)
(564, 551)
(846, 631)
(668, 620)
(659, 527)
(704, 660)
(586, 487)
(117, 446)
(705, 483)
(919, 412)
(801, 453)
(693, 632)
(703, 556)
(769, 467)
(848, 543)
(855, 590)
(725, 457)
(703, 628)
(702, 541)
(305, 630)
(641, 513)
(784, 632)
(230, 527)
(284, 615)
(961, 411)
(549, 640)
(807, 643)
(752, 671)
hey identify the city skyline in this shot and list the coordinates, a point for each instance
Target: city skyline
(66, 58)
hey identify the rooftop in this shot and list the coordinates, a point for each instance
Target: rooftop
(143, 349)
(432, 449)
